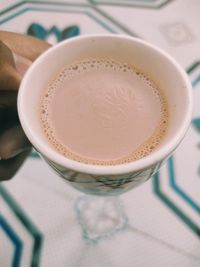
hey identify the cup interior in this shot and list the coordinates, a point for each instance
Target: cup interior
(159, 66)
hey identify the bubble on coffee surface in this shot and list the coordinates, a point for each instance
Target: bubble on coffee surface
(85, 66)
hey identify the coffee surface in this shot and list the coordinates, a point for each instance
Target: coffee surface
(98, 111)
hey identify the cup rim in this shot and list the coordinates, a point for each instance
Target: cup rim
(143, 163)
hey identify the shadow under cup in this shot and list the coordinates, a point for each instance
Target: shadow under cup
(164, 71)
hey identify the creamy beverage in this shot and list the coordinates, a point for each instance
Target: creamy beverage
(99, 111)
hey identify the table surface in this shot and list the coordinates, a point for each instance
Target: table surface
(43, 221)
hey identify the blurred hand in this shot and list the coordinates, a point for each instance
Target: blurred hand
(17, 52)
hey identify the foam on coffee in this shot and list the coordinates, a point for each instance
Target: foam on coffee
(99, 111)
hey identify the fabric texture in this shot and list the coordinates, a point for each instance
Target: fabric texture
(43, 221)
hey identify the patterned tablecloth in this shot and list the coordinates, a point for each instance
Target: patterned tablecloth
(43, 221)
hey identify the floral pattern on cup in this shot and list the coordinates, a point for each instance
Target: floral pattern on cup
(104, 185)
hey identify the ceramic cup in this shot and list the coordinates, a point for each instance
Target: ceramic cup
(162, 68)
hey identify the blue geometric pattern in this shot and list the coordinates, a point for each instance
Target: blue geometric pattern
(137, 3)
(172, 206)
(196, 124)
(188, 199)
(37, 30)
(97, 15)
(195, 68)
(28, 226)
(14, 238)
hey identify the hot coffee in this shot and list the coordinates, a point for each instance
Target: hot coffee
(99, 111)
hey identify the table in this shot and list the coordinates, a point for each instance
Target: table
(43, 221)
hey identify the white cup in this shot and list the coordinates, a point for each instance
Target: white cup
(163, 69)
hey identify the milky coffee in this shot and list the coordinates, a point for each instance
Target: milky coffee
(98, 111)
